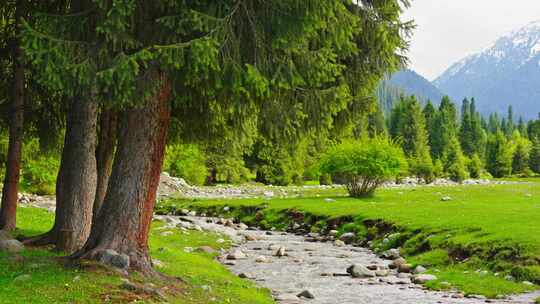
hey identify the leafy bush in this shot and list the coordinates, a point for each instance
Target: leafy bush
(325, 179)
(499, 155)
(455, 162)
(423, 168)
(474, 166)
(187, 162)
(39, 174)
(365, 164)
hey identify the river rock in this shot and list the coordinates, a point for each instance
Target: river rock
(405, 268)
(395, 263)
(206, 249)
(359, 271)
(391, 254)
(306, 294)
(261, 259)
(423, 278)
(347, 237)
(339, 243)
(419, 269)
(236, 254)
(280, 252)
(11, 246)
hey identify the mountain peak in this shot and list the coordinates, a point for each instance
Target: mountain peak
(506, 73)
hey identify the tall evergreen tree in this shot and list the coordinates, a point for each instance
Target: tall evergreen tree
(499, 155)
(534, 157)
(466, 131)
(430, 113)
(445, 128)
(411, 131)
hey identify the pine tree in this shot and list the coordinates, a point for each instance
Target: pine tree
(478, 133)
(510, 126)
(521, 157)
(534, 157)
(414, 137)
(499, 155)
(430, 113)
(522, 128)
(467, 129)
(444, 128)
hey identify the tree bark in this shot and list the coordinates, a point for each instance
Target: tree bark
(104, 155)
(8, 211)
(123, 223)
(76, 181)
(77, 178)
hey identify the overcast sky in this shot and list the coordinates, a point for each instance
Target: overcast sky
(448, 30)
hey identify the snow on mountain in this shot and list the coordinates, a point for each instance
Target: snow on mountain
(506, 73)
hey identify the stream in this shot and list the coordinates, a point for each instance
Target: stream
(319, 270)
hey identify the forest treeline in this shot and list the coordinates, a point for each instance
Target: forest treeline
(95, 93)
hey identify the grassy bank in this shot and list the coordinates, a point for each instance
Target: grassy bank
(473, 241)
(40, 276)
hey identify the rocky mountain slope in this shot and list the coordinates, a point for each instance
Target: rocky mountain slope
(506, 73)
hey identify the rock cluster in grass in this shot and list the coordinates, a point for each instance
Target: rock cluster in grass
(8, 244)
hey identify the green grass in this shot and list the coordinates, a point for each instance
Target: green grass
(53, 281)
(492, 227)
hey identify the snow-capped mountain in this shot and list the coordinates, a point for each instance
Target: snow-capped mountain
(506, 73)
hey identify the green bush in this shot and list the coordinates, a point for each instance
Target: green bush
(325, 179)
(39, 175)
(187, 162)
(475, 166)
(365, 164)
(455, 162)
(422, 167)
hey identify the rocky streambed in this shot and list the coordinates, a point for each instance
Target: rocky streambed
(300, 269)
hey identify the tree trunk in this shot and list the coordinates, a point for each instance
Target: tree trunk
(77, 179)
(104, 156)
(123, 223)
(8, 211)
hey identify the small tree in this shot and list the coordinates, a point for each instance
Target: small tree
(534, 157)
(475, 166)
(365, 164)
(499, 156)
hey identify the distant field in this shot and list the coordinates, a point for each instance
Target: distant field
(494, 227)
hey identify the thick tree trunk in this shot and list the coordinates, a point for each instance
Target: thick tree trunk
(8, 211)
(104, 155)
(77, 179)
(123, 223)
(76, 182)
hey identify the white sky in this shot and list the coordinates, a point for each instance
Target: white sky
(448, 30)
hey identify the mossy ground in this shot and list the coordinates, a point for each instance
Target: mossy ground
(51, 280)
(491, 228)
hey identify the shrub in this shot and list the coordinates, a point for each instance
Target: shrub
(325, 179)
(422, 167)
(455, 161)
(365, 164)
(39, 175)
(474, 166)
(499, 155)
(186, 161)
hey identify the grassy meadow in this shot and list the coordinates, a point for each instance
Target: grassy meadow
(39, 276)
